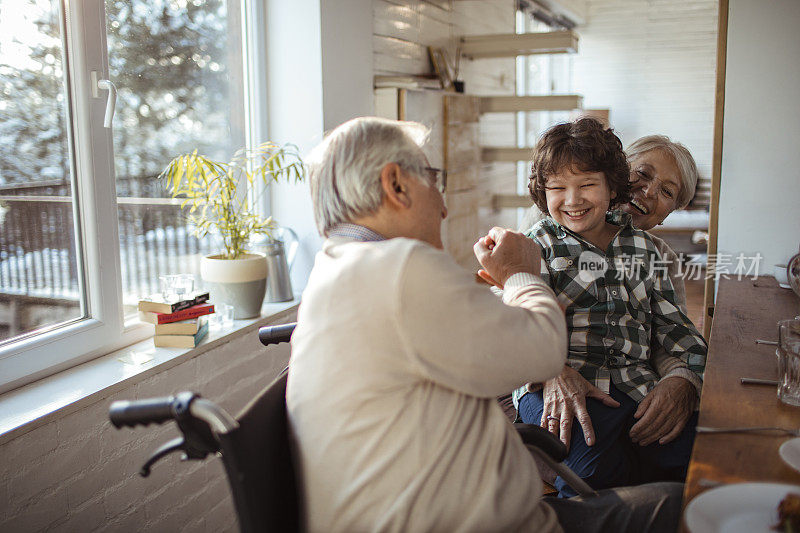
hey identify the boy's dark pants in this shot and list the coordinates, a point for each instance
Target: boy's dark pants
(614, 460)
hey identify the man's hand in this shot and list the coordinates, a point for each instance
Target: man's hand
(483, 277)
(664, 411)
(503, 253)
(565, 397)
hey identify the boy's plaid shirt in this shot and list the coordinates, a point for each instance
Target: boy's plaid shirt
(610, 316)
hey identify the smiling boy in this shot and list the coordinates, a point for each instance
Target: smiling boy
(606, 274)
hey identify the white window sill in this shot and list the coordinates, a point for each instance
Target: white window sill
(36, 404)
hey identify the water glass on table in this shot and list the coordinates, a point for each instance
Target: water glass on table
(789, 361)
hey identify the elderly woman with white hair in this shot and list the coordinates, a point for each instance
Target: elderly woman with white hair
(663, 178)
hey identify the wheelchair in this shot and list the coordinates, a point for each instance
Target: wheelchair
(256, 448)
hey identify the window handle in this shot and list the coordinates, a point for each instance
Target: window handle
(111, 101)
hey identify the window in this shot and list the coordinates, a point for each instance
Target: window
(178, 69)
(541, 74)
(38, 260)
(85, 227)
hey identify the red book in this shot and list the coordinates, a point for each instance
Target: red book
(183, 314)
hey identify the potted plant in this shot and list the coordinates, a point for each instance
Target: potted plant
(219, 200)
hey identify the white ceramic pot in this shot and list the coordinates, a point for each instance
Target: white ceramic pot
(241, 282)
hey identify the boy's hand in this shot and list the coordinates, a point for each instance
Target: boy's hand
(503, 253)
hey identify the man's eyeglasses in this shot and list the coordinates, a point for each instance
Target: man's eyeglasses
(438, 177)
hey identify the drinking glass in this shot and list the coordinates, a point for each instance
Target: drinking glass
(184, 285)
(225, 314)
(222, 319)
(789, 361)
(168, 283)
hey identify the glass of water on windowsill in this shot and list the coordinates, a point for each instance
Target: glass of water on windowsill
(222, 319)
(184, 285)
(176, 286)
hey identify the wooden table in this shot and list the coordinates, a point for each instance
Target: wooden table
(746, 310)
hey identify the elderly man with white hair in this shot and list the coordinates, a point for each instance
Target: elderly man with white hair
(399, 354)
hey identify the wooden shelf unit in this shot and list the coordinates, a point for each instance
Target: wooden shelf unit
(504, 154)
(513, 104)
(513, 45)
(512, 201)
(519, 44)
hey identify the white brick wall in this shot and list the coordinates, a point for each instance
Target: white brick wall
(652, 62)
(79, 474)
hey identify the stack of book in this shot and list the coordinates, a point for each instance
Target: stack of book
(179, 322)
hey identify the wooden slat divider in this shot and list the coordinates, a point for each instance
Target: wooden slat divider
(716, 163)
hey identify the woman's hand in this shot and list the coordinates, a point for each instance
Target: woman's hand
(565, 397)
(664, 411)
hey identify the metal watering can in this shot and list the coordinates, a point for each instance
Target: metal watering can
(793, 273)
(279, 263)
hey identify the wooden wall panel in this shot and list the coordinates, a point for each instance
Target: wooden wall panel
(444, 5)
(402, 32)
(398, 21)
(462, 180)
(462, 154)
(427, 107)
(434, 24)
(462, 161)
(484, 17)
(464, 203)
(463, 147)
(464, 109)
(397, 56)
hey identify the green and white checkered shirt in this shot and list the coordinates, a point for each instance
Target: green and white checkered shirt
(614, 300)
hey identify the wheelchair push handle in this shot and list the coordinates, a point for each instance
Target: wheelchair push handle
(542, 439)
(131, 413)
(276, 334)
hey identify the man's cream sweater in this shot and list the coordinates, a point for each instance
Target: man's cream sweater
(396, 362)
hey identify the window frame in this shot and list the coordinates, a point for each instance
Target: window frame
(102, 328)
(254, 45)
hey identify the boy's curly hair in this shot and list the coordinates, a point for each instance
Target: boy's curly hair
(583, 146)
